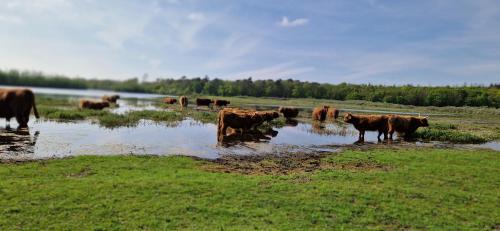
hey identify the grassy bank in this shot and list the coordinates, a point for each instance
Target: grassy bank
(376, 189)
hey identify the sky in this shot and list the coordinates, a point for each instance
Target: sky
(428, 42)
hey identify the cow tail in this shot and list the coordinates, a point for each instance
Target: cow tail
(34, 108)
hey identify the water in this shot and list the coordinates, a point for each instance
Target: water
(90, 93)
(50, 139)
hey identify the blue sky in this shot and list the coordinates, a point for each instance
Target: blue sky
(435, 42)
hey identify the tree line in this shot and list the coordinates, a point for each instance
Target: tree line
(409, 95)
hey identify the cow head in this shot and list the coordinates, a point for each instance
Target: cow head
(281, 109)
(348, 117)
(423, 122)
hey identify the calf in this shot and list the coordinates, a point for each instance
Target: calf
(88, 104)
(368, 123)
(319, 113)
(221, 102)
(183, 101)
(170, 100)
(405, 124)
(289, 112)
(204, 102)
(333, 113)
(110, 98)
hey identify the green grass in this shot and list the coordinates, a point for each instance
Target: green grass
(433, 134)
(449, 133)
(69, 113)
(417, 189)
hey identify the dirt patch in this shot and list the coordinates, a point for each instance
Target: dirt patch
(86, 171)
(359, 166)
(284, 164)
(266, 164)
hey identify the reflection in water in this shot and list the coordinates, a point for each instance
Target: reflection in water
(234, 137)
(291, 122)
(324, 129)
(17, 142)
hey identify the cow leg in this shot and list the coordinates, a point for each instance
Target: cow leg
(391, 132)
(361, 135)
(379, 134)
(20, 120)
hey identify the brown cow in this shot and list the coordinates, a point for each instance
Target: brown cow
(244, 120)
(110, 98)
(221, 102)
(95, 105)
(183, 101)
(203, 102)
(289, 112)
(17, 103)
(368, 123)
(333, 113)
(405, 124)
(319, 113)
(170, 100)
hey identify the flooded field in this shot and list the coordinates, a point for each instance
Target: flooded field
(47, 139)
(51, 139)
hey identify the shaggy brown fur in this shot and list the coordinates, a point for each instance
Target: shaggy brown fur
(368, 123)
(170, 100)
(289, 112)
(204, 102)
(405, 124)
(221, 102)
(17, 103)
(319, 113)
(333, 113)
(110, 98)
(244, 120)
(183, 100)
(94, 105)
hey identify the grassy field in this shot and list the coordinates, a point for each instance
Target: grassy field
(374, 189)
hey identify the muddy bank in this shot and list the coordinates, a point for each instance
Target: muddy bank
(290, 163)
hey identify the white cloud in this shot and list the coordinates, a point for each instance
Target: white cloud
(297, 22)
(232, 50)
(36, 5)
(10, 19)
(196, 16)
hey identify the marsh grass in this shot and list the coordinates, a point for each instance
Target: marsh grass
(449, 133)
(108, 119)
(69, 113)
